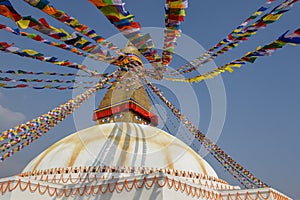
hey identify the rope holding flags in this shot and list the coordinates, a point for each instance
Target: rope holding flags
(101, 55)
(238, 35)
(73, 81)
(42, 26)
(175, 12)
(15, 139)
(38, 87)
(22, 72)
(65, 18)
(292, 39)
(7, 10)
(245, 177)
(267, 50)
(29, 53)
(243, 25)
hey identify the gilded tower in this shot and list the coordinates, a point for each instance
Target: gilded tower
(126, 100)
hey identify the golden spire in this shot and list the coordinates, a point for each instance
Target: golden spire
(126, 100)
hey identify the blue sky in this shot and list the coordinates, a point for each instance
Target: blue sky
(263, 112)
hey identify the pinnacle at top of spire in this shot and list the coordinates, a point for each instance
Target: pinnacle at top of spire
(126, 100)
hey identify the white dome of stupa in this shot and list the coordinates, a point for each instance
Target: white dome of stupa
(121, 145)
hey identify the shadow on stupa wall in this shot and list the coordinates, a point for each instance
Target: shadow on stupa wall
(107, 155)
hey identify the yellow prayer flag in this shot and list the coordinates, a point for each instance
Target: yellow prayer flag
(74, 22)
(271, 17)
(258, 48)
(292, 44)
(23, 24)
(182, 13)
(176, 4)
(247, 54)
(59, 62)
(258, 13)
(82, 41)
(30, 51)
(93, 35)
(246, 34)
(229, 69)
(233, 65)
(237, 30)
(232, 46)
(196, 79)
(47, 86)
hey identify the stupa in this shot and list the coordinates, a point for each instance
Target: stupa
(123, 157)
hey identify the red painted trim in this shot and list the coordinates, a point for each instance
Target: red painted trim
(123, 107)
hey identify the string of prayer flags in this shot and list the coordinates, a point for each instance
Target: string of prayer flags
(240, 34)
(29, 53)
(5, 46)
(269, 18)
(199, 135)
(37, 87)
(39, 38)
(175, 13)
(40, 25)
(35, 80)
(267, 50)
(15, 139)
(116, 13)
(74, 39)
(22, 72)
(101, 55)
(242, 26)
(7, 10)
(244, 176)
(250, 57)
(293, 38)
(65, 18)
(225, 41)
(17, 130)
